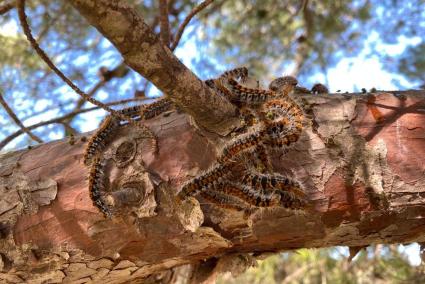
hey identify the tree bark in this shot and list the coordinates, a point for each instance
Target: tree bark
(143, 51)
(360, 160)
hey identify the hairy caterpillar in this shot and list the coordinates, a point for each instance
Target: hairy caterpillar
(100, 138)
(260, 181)
(222, 200)
(98, 142)
(97, 185)
(275, 121)
(205, 180)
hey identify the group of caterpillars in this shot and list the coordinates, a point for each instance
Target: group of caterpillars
(98, 181)
(242, 175)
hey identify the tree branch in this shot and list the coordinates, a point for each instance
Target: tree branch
(27, 31)
(143, 52)
(217, 5)
(106, 75)
(186, 21)
(305, 40)
(6, 7)
(361, 192)
(164, 23)
(64, 118)
(17, 121)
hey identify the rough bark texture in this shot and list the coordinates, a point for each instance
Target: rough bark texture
(143, 51)
(360, 160)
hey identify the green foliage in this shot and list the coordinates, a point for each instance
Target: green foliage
(412, 62)
(277, 30)
(272, 36)
(377, 264)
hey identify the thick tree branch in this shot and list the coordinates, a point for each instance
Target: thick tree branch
(143, 51)
(363, 177)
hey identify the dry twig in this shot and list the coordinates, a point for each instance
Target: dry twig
(186, 21)
(27, 31)
(17, 121)
(119, 71)
(63, 118)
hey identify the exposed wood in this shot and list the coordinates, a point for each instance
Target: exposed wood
(364, 178)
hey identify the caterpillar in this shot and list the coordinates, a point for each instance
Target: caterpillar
(154, 109)
(283, 85)
(260, 181)
(97, 185)
(205, 180)
(275, 121)
(222, 195)
(319, 89)
(290, 201)
(244, 142)
(218, 85)
(265, 198)
(240, 73)
(286, 122)
(100, 138)
(97, 179)
(222, 200)
(247, 95)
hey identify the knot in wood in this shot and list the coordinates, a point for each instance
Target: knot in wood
(125, 153)
(130, 194)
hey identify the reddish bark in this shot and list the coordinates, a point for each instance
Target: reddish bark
(364, 180)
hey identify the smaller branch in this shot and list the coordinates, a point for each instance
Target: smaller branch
(17, 121)
(27, 31)
(303, 6)
(186, 21)
(60, 119)
(166, 72)
(164, 23)
(106, 75)
(68, 130)
(214, 8)
(303, 42)
(6, 7)
(49, 25)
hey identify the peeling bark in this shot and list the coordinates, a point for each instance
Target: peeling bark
(364, 178)
(143, 51)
